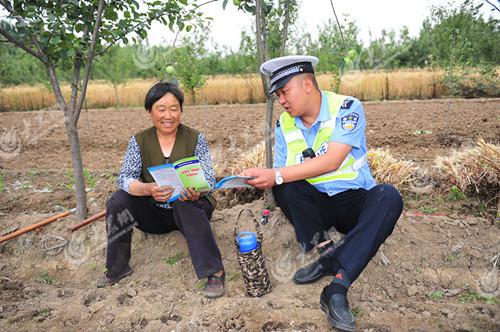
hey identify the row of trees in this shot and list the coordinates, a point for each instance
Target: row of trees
(75, 41)
(449, 37)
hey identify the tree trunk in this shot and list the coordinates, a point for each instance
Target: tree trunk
(76, 160)
(74, 143)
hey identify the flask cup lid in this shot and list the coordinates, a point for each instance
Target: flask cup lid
(247, 241)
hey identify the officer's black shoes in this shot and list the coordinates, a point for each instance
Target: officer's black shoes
(337, 310)
(313, 272)
(323, 266)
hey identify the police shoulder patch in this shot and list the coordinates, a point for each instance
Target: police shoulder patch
(278, 124)
(346, 104)
(350, 121)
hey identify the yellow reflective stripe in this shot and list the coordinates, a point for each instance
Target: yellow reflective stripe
(345, 172)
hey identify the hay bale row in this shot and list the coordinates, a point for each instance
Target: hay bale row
(475, 171)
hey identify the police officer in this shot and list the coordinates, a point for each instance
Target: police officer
(333, 187)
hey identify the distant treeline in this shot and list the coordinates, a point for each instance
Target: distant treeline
(449, 38)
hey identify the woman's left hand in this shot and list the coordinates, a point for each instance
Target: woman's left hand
(189, 194)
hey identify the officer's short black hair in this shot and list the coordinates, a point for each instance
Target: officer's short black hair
(159, 90)
(312, 77)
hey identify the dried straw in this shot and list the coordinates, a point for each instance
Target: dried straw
(387, 169)
(256, 157)
(475, 171)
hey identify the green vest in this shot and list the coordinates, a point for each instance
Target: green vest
(186, 140)
(296, 143)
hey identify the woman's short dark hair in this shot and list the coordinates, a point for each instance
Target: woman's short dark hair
(160, 89)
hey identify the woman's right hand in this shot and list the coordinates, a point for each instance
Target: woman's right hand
(160, 194)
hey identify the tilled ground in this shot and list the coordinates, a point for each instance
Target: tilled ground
(436, 272)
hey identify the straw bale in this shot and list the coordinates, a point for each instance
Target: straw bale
(387, 169)
(475, 171)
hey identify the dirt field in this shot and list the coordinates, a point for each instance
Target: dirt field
(438, 271)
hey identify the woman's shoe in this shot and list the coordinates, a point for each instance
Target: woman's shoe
(215, 286)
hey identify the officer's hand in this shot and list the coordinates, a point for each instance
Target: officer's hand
(264, 177)
(160, 194)
(189, 194)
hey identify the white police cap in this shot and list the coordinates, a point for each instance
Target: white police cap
(281, 70)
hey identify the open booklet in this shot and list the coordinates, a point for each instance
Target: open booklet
(187, 173)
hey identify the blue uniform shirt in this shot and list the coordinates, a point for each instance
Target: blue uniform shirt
(350, 126)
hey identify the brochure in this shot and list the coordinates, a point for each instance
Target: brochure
(188, 173)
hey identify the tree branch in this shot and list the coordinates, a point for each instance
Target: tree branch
(22, 45)
(77, 66)
(11, 10)
(51, 71)
(88, 64)
(284, 32)
(338, 23)
(498, 10)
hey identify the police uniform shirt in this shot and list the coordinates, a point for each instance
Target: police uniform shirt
(350, 126)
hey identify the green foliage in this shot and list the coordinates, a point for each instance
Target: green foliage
(435, 295)
(70, 184)
(356, 311)
(185, 61)
(2, 183)
(471, 296)
(454, 36)
(428, 209)
(455, 194)
(45, 278)
(173, 260)
(90, 179)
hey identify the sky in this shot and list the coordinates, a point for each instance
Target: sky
(370, 17)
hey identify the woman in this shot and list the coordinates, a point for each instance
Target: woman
(140, 202)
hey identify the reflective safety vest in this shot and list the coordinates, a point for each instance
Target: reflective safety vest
(296, 143)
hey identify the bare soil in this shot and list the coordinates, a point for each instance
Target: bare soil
(436, 272)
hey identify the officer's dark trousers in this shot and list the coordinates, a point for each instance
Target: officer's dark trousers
(366, 217)
(124, 212)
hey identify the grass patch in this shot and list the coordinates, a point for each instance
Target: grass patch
(356, 311)
(428, 209)
(89, 178)
(435, 295)
(455, 194)
(2, 183)
(173, 260)
(45, 278)
(471, 296)
(200, 284)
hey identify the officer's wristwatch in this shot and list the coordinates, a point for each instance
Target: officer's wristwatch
(278, 178)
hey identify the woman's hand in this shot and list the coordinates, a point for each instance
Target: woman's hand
(160, 194)
(189, 195)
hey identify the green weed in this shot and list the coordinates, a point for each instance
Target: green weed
(422, 132)
(356, 311)
(45, 278)
(32, 173)
(471, 296)
(2, 183)
(455, 194)
(70, 180)
(172, 260)
(91, 180)
(200, 284)
(428, 209)
(435, 295)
